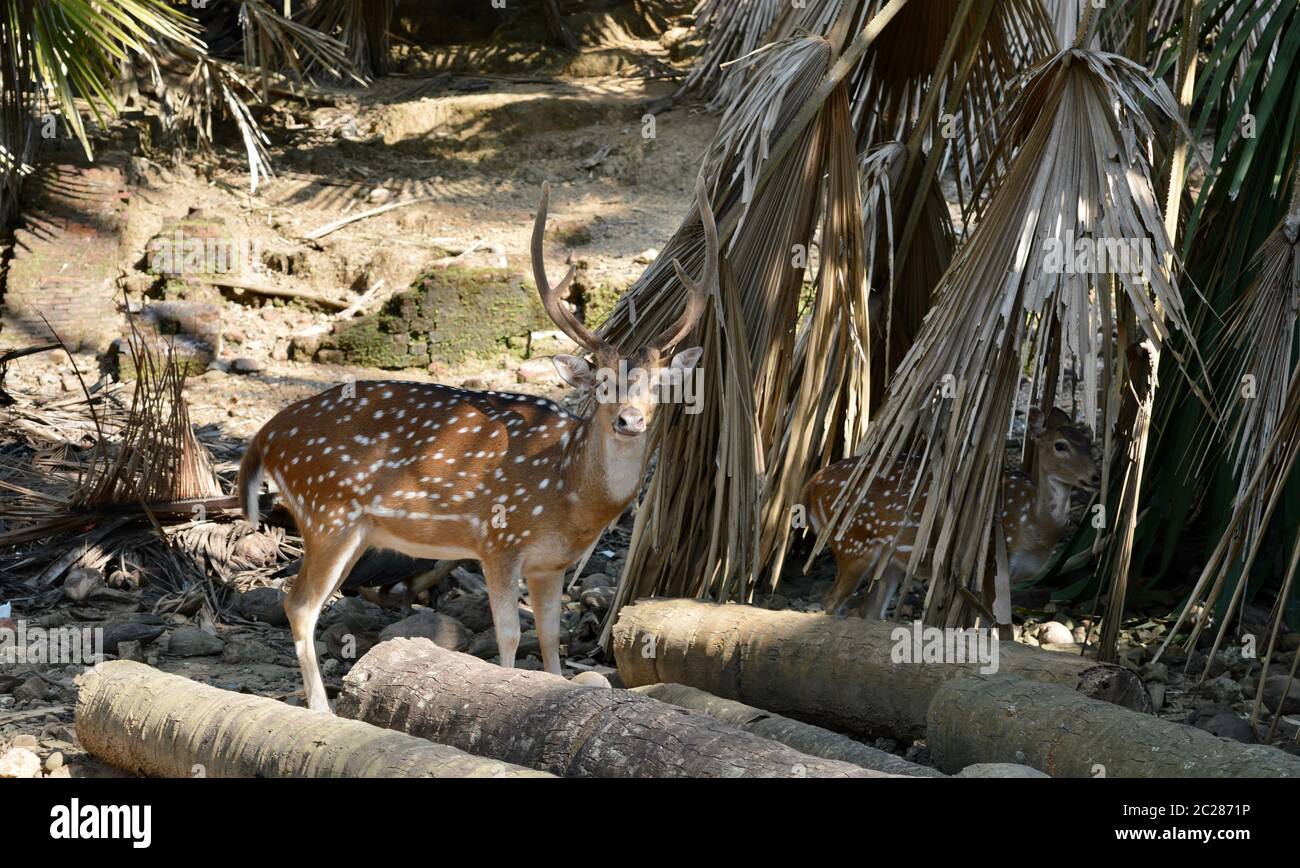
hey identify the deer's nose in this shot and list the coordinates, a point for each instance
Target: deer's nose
(630, 421)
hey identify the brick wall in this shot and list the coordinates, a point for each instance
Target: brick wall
(66, 250)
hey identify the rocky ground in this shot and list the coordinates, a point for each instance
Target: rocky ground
(473, 149)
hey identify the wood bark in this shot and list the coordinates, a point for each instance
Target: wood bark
(1006, 719)
(834, 672)
(152, 723)
(544, 722)
(801, 736)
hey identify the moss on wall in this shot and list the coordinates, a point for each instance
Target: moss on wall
(447, 316)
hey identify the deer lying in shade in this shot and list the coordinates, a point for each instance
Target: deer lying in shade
(513, 481)
(1035, 511)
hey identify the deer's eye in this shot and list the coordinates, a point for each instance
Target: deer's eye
(1060, 446)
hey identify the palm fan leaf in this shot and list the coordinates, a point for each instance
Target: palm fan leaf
(1081, 171)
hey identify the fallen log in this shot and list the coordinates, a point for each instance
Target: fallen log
(1006, 719)
(542, 721)
(840, 673)
(151, 723)
(801, 736)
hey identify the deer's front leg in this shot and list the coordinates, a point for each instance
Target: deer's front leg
(503, 595)
(544, 595)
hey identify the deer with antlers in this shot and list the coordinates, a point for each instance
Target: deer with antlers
(1035, 510)
(513, 481)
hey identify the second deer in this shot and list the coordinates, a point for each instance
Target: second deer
(512, 481)
(1035, 511)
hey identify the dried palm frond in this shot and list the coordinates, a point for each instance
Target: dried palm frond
(363, 26)
(157, 460)
(731, 29)
(273, 42)
(957, 54)
(899, 299)
(712, 463)
(214, 88)
(1265, 432)
(1005, 306)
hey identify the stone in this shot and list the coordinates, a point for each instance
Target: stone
(191, 641)
(538, 370)
(484, 644)
(34, 689)
(591, 679)
(19, 762)
(1000, 770)
(343, 642)
(256, 549)
(80, 584)
(265, 605)
(1155, 671)
(1222, 690)
(598, 599)
(25, 739)
(54, 762)
(441, 629)
(1055, 633)
(243, 649)
(472, 610)
(1224, 724)
(130, 650)
(1275, 686)
(245, 365)
(142, 630)
(361, 615)
(595, 580)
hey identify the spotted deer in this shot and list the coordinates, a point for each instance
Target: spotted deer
(1034, 511)
(515, 482)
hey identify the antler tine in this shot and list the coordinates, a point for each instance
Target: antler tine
(555, 307)
(696, 293)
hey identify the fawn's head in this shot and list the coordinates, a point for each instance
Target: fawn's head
(1063, 450)
(628, 384)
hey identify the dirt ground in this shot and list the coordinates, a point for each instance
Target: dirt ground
(473, 151)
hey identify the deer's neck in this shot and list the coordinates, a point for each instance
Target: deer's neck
(602, 470)
(1051, 506)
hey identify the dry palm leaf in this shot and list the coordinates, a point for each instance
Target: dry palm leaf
(1265, 430)
(157, 459)
(920, 61)
(731, 30)
(769, 392)
(900, 298)
(1006, 305)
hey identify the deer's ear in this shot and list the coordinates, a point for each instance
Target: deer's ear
(1058, 417)
(1037, 422)
(687, 359)
(573, 370)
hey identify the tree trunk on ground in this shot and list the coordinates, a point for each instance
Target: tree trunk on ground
(151, 723)
(1005, 719)
(800, 736)
(541, 721)
(834, 672)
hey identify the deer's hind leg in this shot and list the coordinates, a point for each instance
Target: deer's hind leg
(850, 572)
